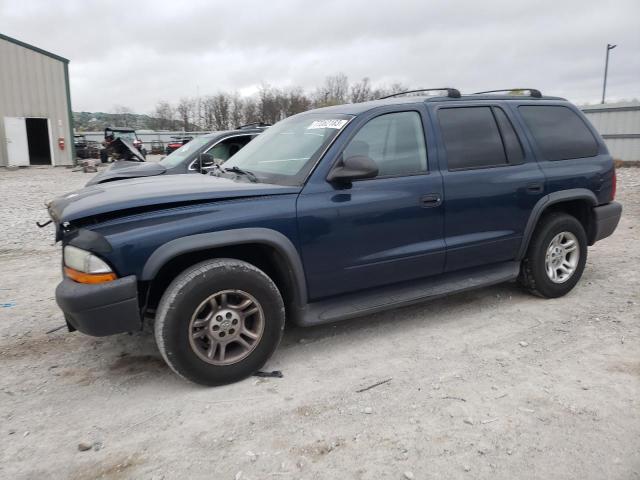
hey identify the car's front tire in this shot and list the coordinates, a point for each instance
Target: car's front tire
(556, 256)
(219, 321)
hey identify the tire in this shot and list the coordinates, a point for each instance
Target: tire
(566, 230)
(104, 156)
(213, 292)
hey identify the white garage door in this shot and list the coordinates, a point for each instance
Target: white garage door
(17, 146)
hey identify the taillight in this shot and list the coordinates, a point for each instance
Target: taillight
(614, 185)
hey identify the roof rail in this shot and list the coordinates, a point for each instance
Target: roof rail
(253, 125)
(532, 91)
(451, 92)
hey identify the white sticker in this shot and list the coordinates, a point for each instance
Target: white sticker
(333, 123)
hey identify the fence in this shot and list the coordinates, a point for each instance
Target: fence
(619, 125)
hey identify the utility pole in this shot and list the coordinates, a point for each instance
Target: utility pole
(606, 69)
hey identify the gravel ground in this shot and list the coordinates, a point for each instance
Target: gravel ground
(488, 384)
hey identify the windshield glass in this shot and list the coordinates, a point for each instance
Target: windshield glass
(177, 156)
(131, 136)
(285, 153)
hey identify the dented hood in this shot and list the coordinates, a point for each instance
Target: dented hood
(160, 192)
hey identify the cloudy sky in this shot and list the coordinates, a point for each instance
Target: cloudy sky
(135, 53)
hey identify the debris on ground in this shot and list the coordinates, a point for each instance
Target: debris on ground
(272, 374)
(374, 385)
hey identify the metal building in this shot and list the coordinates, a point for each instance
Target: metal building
(619, 125)
(35, 106)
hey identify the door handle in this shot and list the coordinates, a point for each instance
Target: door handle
(430, 200)
(535, 188)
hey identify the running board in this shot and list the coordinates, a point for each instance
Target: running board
(375, 300)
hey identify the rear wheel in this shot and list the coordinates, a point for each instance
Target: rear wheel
(556, 256)
(219, 321)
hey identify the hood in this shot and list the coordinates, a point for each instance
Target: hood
(156, 193)
(123, 169)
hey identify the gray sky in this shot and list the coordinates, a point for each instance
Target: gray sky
(136, 53)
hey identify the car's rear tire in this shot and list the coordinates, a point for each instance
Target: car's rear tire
(556, 256)
(219, 321)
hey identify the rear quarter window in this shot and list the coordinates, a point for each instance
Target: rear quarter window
(559, 132)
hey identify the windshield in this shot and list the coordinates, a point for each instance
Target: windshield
(131, 136)
(285, 153)
(177, 156)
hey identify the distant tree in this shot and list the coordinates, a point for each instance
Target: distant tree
(334, 91)
(163, 116)
(185, 110)
(361, 91)
(123, 116)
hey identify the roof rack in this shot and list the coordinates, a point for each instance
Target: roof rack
(253, 125)
(532, 91)
(451, 92)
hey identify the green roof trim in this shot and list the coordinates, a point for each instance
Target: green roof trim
(35, 49)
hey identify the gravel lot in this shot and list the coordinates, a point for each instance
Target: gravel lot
(489, 384)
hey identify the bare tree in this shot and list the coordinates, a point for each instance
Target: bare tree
(185, 110)
(123, 116)
(163, 116)
(361, 91)
(334, 91)
(221, 103)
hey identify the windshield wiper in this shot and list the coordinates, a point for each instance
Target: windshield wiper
(250, 175)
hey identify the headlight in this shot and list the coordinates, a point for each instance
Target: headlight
(85, 267)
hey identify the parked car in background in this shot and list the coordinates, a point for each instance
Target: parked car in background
(336, 213)
(111, 134)
(157, 147)
(198, 156)
(176, 142)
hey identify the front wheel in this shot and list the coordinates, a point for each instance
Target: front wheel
(219, 321)
(556, 256)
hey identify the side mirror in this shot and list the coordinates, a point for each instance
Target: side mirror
(206, 160)
(356, 167)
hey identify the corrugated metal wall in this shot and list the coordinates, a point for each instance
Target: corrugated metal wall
(619, 125)
(33, 85)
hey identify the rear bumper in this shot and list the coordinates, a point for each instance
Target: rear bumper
(101, 309)
(606, 218)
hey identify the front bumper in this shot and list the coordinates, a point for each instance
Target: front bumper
(101, 309)
(605, 220)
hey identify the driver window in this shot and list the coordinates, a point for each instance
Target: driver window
(394, 141)
(227, 148)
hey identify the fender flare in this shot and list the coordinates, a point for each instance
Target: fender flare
(545, 202)
(225, 238)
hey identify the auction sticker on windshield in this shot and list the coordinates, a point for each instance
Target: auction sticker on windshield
(329, 123)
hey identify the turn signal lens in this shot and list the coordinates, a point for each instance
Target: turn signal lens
(91, 278)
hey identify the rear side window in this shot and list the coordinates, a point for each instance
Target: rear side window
(471, 138)
(559, 132)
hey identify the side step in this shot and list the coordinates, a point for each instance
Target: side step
(375, 300)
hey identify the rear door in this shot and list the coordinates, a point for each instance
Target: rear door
(491, 182)
(17, 144)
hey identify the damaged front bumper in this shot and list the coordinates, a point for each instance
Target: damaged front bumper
(100, 309)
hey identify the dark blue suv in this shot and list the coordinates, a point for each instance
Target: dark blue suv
(337, 213)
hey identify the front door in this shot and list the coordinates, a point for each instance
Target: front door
(17, 145)
(378, 231)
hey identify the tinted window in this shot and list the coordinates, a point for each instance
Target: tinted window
(471, 138)
(509, 138)
(394, 141)
(559, 132)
